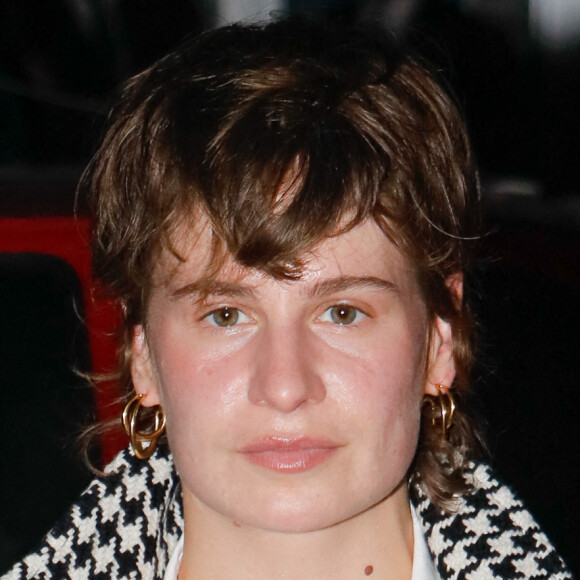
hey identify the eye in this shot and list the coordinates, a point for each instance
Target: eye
(342, 314)
(226, 317)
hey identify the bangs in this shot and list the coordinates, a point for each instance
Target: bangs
(280, 174)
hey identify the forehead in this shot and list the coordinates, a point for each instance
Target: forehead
(363, 251)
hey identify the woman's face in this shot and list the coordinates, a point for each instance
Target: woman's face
(292, 405)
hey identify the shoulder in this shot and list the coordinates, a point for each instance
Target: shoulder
(124, 522)
(490, 534)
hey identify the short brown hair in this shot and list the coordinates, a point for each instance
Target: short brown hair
(363, 129)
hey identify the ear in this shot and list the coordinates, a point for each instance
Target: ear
(142, 371)
(441, 366)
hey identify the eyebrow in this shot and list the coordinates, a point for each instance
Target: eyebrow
(342, 283)
(206, 287)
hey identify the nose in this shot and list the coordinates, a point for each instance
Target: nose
(286, 374)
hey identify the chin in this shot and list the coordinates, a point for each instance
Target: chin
(298, 523)
(293, 516)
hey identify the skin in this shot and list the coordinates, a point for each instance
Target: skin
(340, 356)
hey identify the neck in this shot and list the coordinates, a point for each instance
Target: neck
(376, 544)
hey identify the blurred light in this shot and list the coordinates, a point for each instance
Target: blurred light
(555, 23)
(246, 10)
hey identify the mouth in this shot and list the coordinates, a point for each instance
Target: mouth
(289, 454)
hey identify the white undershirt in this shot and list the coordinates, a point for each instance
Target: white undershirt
(423, 568)
(175, 561)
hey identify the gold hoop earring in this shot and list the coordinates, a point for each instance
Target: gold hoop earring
(442, 409)
(143, 442)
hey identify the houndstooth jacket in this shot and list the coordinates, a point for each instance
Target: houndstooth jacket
(127, 524)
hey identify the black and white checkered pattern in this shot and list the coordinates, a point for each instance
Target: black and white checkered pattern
(123, 526)
(127, 524)
(490, 535)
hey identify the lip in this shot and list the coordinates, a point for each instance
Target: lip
(289, 454)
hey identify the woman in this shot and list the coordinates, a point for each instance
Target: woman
(286, 216)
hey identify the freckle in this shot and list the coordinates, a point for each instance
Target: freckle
(237, 525)
(369, 570)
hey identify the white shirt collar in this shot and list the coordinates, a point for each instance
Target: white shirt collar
(423, 567)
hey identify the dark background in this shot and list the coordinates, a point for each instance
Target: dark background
(517, 78)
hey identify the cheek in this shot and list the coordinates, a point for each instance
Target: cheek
(197, 388)
(193, 392)
(386, 389)
(393, 430)
(188, 365)
(197, 413)
(386, 372)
